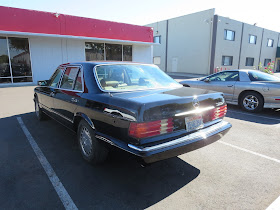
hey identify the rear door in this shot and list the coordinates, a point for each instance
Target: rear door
(67, 96)
(221, 82)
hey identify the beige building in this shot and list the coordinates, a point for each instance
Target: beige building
(202, 43)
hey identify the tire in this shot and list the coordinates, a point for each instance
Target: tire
(251, 102)
(92, 150)
(38, 111)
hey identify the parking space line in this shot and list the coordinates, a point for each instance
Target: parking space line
(58, 186)
(275, 205)
(254, 115)
(248, 151)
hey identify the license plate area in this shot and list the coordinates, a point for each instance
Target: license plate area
(193, 123)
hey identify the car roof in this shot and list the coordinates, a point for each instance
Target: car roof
(102, 62)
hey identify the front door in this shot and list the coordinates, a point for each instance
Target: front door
(221, 82)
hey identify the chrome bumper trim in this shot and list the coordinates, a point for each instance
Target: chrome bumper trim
(197, 136)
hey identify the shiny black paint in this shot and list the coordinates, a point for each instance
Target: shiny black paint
(145, 105)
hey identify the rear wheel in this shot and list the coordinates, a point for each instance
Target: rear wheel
(252, 102)
(38, 111)
(92, 150)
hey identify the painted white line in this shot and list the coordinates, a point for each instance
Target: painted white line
(254, 153)
(58, 186)
(275, 205)
(255, 115)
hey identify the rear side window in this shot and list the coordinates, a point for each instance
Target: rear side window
(260, 76)
(69, 78)
(55, 77)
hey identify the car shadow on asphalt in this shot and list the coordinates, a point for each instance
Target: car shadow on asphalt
(119, 183)
(266, 116)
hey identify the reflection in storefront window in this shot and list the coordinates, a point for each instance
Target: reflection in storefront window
(20, 57)
(113, 52)
(4, 62)
(15, 65)
(94, 51)
(127, 52)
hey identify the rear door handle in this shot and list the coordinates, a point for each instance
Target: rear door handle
(74, 100)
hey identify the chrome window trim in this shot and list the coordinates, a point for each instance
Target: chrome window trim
(118, 91)
(64, 69)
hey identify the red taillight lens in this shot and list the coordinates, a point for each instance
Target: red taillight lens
(149, 129)
(218, 112)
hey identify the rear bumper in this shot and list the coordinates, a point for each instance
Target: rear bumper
(176, 146)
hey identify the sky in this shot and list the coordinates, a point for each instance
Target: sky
(264, 13)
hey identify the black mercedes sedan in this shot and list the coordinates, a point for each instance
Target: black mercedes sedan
(135, 107)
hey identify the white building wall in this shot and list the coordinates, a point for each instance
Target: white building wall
(142, 53)
(269, 52)
(250, 50)
(159, 50)
(226, 47)
(48, 53)
(189, 43)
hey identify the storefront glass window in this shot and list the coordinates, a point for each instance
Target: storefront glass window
(127, 52)
(113, 52)
(15, 65)
(94, 51)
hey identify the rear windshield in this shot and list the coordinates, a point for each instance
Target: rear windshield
(128, 77)
(261, 76)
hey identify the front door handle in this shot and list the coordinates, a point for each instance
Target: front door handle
(74, 100)
(230, 85)
(52, 94)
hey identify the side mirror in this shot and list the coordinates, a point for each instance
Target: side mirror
(207, 80)
(43, 83)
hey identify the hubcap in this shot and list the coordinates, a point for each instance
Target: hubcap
(250, 102)
(85, 141)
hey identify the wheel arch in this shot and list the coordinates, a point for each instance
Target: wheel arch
(81, 116)
(246, 91)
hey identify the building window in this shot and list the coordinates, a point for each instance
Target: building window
(266, 62)
(270, 42)
(252, 39)
(94, 51)
(229, 35)
(227, 60)
(249, 62)
(15, 64)
(157, 39)
(127, 52)
(157, 60)
(113, 52)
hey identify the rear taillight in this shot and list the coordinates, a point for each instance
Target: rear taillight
(218, 112)
(149, 129)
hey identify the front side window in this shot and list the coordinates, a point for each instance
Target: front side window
(54, 80)
(252, 39)
(69, 78)
(261, 76)
(266, 62)
(270, 42)
(249, 61)
(229, 35)
(132, 77)
(227, 60)
(225, 76)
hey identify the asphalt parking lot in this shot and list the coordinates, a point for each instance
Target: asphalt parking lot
(240, 171)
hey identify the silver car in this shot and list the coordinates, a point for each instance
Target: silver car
(251, 89)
